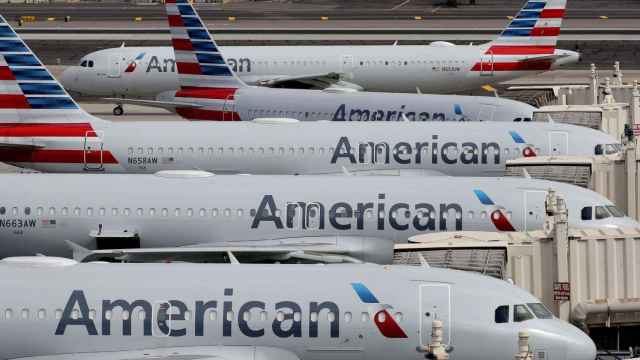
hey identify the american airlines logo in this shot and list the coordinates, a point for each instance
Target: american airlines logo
(345, 113)
(345, 216)
(240, 65)
(450, 153)
(176, 318)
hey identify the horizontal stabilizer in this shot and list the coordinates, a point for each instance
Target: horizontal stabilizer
(168, 105)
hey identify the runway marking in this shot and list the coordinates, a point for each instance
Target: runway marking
(405, 2)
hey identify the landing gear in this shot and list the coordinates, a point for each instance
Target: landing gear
(118, 110)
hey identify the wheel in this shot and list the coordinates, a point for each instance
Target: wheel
(118, 110)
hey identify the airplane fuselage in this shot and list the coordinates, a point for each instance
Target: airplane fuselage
(308, 311)
(458, 149)
(430, 68)
(165, 210)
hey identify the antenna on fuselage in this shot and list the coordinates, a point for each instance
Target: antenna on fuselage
(423, 261)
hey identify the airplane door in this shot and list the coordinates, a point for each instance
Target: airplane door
(486, 113)
(93, 151)
(534, 211)
(486, 65)
(558, 143)
(228, 109)
(435, 304)
(114, 66)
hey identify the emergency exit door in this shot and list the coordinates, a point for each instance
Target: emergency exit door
(93, 151)
(435, 304)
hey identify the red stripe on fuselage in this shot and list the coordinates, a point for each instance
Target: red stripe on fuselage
(6, 74)
(11, 101)
(545, 31)
(206, 93)
(541, 65)
(188, 68)
(56, 156)
(47, 130)
(520, 50)
(175, 21)
(552, 13)
(182, 44)
(211, 115)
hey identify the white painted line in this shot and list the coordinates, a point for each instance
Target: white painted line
(405, 2)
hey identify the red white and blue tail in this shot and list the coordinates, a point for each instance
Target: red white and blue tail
(529, 41)
(203, 73)
(28, 91)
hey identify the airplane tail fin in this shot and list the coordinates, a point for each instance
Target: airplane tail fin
(203, 73)
(198, 59)
(533, 32)
(28, 91)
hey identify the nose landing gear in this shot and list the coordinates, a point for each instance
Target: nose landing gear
(118, 110)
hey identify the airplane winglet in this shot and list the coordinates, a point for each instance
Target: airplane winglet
(423, 261)
(232, 258)
(550, 120)
(345, 171)
(79, 252)
(525, 174)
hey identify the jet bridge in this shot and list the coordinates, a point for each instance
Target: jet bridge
(588, 277)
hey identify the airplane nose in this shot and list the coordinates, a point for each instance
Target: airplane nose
(579, 345)
(69, 78)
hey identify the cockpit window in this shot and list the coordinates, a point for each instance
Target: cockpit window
(540, 311)
(521, 313)
(608, 149)
(502, 314)
(587, 213)
(615, 211)
(602, 213)
(90, 63)
(83, 63)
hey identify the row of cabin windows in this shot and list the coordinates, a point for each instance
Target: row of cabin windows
(214, 212)
(266, 63)
(311, 150)
(212, 315)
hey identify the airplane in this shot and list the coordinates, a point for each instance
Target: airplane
(94, 311)
(527, 46)
(43, 128)
(46, 213)
(210, 90)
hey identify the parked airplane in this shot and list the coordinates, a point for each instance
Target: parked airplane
(210, 90)
(42, 128)
(526, 46)
(188, 311)
(39, 212)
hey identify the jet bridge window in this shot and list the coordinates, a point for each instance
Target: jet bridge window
(521, 313)
(502, 314)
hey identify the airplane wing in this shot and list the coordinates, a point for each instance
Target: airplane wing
(168, 105)
(309, 81)
(180, 353)
(324, 249)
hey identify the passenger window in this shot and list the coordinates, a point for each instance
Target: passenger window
(114, 212)
(14, 211)
(126, 212)
(521, 313)
(587, 213)
(601, 213)
(189, 212)
(164, 212)
(89, 211)
(40, 210)
(52, 211)
(42, 314)
(139, 212)
(3, 210)
(364, 317)
(152, 212)
(90, 63)
(502, 314)
(203, 212)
